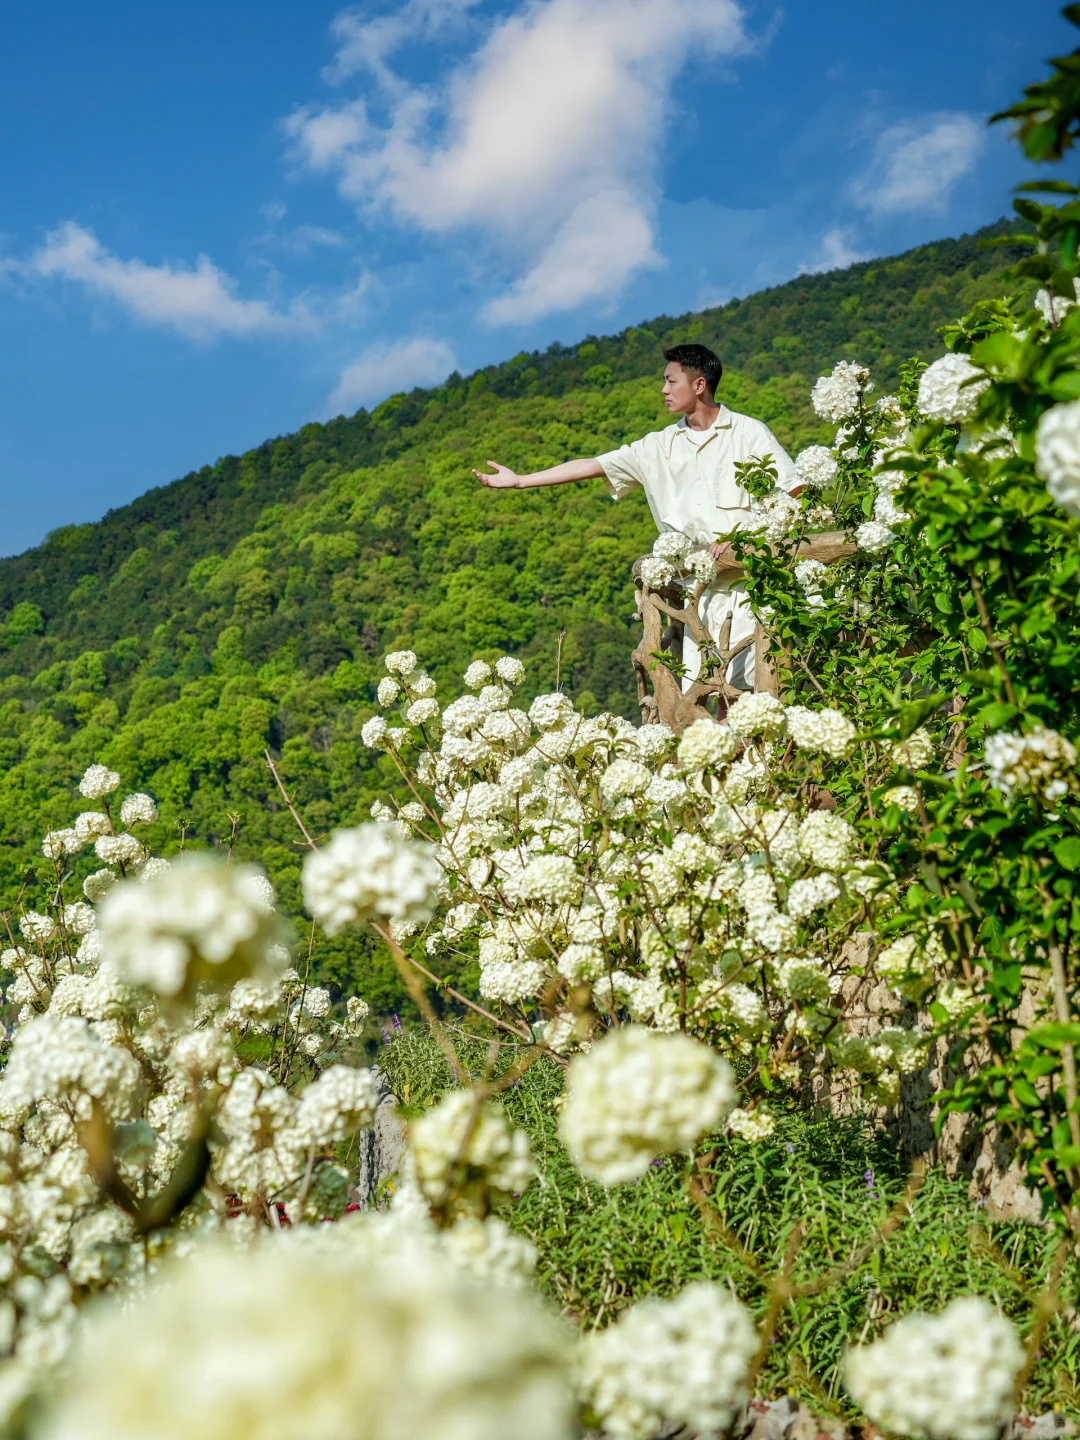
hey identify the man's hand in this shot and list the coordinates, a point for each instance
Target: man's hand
(503, 479)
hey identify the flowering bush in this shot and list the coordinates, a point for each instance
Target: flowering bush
(697, 927)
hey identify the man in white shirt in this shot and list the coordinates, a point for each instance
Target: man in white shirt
(687, 471)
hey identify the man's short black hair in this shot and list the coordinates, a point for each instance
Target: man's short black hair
(698, 360)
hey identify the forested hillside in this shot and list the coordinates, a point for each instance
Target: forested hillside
(246, 606)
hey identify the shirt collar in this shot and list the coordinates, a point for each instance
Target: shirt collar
(722, 422)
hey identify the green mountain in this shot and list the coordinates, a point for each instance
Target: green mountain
(247, 605)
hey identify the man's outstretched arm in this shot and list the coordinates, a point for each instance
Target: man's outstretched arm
(565, 474)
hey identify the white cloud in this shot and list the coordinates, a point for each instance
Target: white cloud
(563, 102)
(368, 44)
(604, 239)
(917, 164)
(385, 369)
(197, 302)
(836, 252)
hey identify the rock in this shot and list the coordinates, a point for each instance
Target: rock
(786, 1419)
(381, 1149)
(1042, 1427)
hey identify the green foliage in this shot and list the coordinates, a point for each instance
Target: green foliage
(602, 1250)
(245, 606)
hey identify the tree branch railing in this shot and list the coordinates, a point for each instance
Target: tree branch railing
(664, 622)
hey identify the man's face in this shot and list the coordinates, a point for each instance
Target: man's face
(680, 392)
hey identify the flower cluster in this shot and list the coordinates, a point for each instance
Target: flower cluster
(681, 1361)
(1040, 762)
(134, 1008)
(677, 558)
(839, 396)
(1057, 454)
(377, 1335)
(950, 388)
(942, 1377)
(638, 1094)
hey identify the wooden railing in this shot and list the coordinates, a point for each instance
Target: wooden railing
(666, 614)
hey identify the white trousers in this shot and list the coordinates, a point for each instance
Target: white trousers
(715, 605)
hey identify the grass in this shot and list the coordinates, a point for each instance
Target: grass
(602, 1250)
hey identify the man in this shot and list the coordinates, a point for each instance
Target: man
(688, 474)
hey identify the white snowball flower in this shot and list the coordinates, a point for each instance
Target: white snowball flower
(422, 712)
(375, 732)
(886, 510)
(826, 730)
(478, 673)
(672, 546)
(705, 745)
(872, 536)
(60, 1058)
(1057, 454)
(323, 1336)
(510, 670)
(1053, 308)
(551, 879)
(463, 715)
(461, 1135)
(751, 1125)
(79, 918)
(512, 981)
(826, 839)
(490, 1251)
(908, 966)
(949, 389)
(654, 740)
(124, 850)
(369, 871)
(906, 796)
(656, 573)
(809, 574)
(916, 751)
(341, 1101)
(138, 809)
(811, 893)
(400, 662)
(388, 691)
(756, 714)
(58, 843)
(90, 824)
(701, 565)
(547, 711)
(670, 1362)
(638, 1094)
(942, 1377)
(836, 397)
(36, 926)
(98, 885)
(152, 868)
(98, 781)
(816, 466)
(622, 779)
(201, 921)
(1041, 761)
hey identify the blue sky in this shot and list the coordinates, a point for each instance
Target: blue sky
(222, 220)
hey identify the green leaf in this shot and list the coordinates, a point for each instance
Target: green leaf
(1067, 853)
(912, 716)
(1053, 1037)
(998, 714)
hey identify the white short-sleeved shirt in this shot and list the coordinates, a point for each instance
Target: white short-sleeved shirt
(689, 476)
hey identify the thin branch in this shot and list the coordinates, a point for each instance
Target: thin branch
(285, 796)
